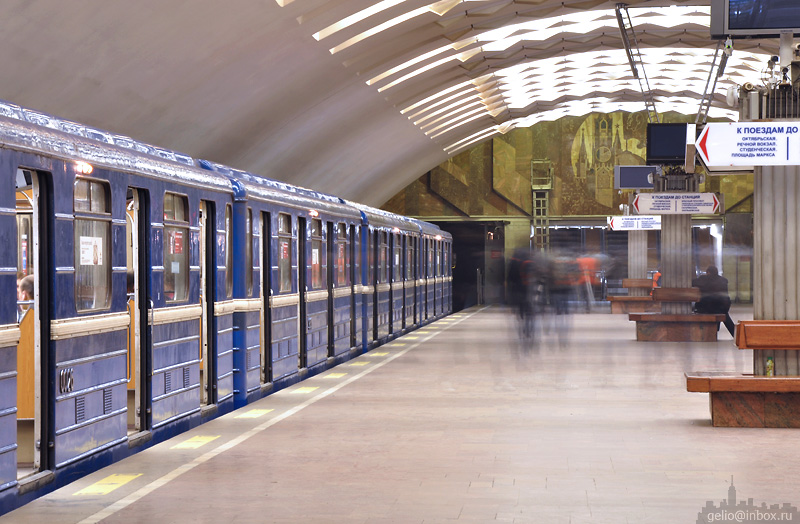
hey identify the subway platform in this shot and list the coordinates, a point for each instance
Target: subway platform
(461, 422)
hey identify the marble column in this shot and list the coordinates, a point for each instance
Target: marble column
(637, 260)
(776, 272)
(676, 259)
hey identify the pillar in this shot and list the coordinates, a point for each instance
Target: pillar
(676, 259)
(637, 260)
(776, 271)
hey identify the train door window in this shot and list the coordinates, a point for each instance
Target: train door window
(284, 252)
(342, 256)
(371, 259)
(383, 255)
(438, 258)
(248, 253)
(92, 206)
(228, 252)
(429, 249)
(176, 247)
(316, 254)
(397, 264)
(410, 258)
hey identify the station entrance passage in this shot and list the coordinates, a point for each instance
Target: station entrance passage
(460, 422)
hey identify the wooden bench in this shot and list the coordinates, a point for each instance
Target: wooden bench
(754, 401)
(634, 304)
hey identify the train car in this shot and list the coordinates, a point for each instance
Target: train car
(387, 239)
(127, 250)
(301, 310)
(145, 292)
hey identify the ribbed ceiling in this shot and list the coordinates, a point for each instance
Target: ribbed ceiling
(352, 97)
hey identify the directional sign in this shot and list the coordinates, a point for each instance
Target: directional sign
(676, 203)
(635, 222)
(750, 144)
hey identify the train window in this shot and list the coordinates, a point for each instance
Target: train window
(248, 253)
(438, 259)
(176, 247)
(316, 254)
(342, 255)
(92, 245)
(228, 252)
(284, 252)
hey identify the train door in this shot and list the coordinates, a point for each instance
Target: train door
(354, 277)
(138, 307)
(33, 400)
(266, 292)
(208, 271)
(333, 242)
(302, 287)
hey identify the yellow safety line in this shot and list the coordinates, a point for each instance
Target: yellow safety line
(108, 484)
(195, 442)
(254, 413)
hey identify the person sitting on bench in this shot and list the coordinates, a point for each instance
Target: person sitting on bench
(714, 297)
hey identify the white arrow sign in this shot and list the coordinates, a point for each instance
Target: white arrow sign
(750, 144)
(635, 222)
(676, 203)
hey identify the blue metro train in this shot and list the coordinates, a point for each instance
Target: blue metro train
(133, 305)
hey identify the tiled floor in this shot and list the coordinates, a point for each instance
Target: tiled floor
(460, 422)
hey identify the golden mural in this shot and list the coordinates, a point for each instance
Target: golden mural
(577, 154)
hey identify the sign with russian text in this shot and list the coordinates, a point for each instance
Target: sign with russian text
(635, 223)
(750, 144)
(676, 203)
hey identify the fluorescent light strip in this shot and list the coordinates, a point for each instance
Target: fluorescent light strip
(450, 107)
(451, 115)
(379, 29)
(466, 94)
(355, 18)
(435, 96)
(473, 115)
(419, 71)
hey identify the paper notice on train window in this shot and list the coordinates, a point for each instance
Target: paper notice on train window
(315, 256)
(91, 251)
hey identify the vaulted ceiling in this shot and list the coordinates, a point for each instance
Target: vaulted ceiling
(352, 97)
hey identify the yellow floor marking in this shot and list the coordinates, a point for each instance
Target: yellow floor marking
(195, 442)
(335, 375)
(254, 413)
(307, 389)
(396, 344)
(107, 485)
(408, 337)
(383, 354)
(360, 363)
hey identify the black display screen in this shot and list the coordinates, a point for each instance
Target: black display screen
(666, 143)
(763, 14)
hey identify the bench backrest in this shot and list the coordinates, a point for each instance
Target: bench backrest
(676, 294)
(768, 334)
(637, 283)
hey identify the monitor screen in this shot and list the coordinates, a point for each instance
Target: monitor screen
(634, 177)
(754, 18)
(666, 143)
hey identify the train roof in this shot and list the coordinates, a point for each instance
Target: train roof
(38, 132)
(263, 188)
